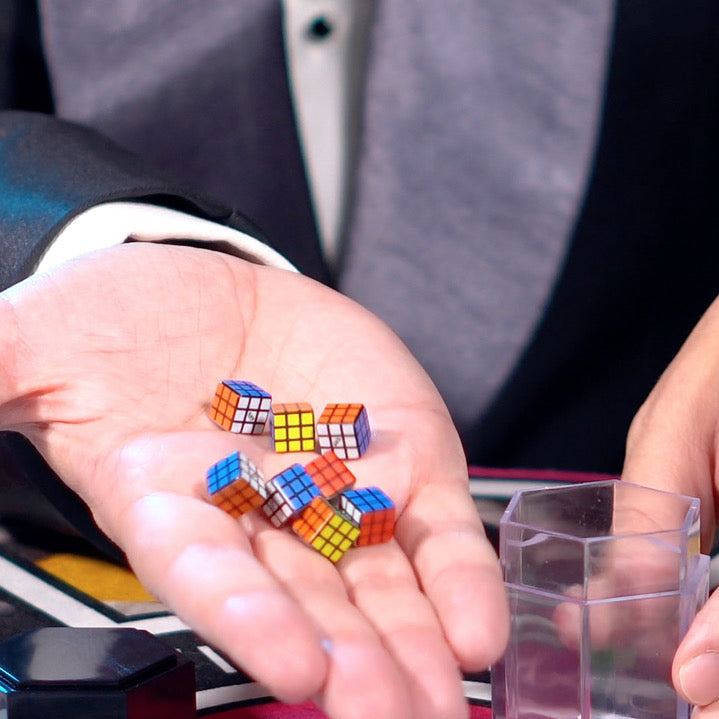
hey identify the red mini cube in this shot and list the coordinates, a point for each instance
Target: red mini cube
(330, 474)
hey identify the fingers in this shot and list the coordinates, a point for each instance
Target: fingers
(671, 447)
(387, 654)
(149, 498)
(458, 571)
(199, 562)
(672, 443)
(363, 678)
(696, 664)
(383, 586)
(384, 651)
(440, 533)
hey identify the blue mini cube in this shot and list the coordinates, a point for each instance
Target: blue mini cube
(288, 493)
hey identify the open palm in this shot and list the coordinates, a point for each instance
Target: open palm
(108, 364)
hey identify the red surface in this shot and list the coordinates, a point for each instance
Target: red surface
(275, 710)
(543, 475)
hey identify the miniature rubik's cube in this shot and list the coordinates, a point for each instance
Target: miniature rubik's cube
(236, 485)
(293, 427)
(288, 493)
(372, 511)
(240, 406)
(317, 500)
(330, 474)
(325, 528)
(344, 428)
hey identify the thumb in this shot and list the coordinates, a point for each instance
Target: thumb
(37, 337)
(670, 451)
(672, 441)
(695, 671)
(9, 381)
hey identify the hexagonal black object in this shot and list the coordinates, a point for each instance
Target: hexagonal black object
(67, 673)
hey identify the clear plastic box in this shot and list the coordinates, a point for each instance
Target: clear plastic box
(603, 580)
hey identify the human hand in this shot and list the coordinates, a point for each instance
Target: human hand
(672, 445)
(107, 365)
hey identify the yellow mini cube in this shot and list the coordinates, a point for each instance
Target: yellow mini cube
(292, 426)
(325, 529)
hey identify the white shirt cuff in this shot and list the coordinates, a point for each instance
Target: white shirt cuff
(113, 223)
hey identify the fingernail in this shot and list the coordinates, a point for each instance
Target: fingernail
(699, 679)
